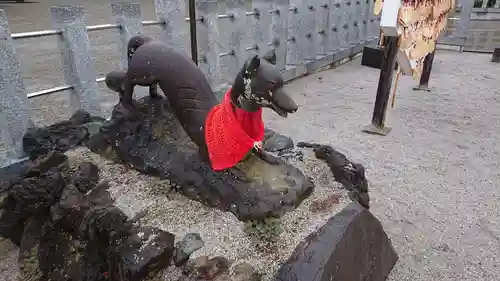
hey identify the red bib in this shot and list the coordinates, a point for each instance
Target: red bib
(230, 133)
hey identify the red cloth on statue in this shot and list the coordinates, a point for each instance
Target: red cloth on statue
(231, 132)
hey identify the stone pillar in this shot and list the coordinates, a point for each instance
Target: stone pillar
(260, 20)
(279, 31)
(350, 9)
(128, 16)
(233, 28)
(176, 29)
(335, 26)
(294, 53)
(462, 26)
(77, 61)
(308, 33)
(15, 109)
(345, 28)
(363, 21)
(323, 15)
(208, 41)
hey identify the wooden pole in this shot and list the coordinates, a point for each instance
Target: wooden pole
(384, 88)
(496, 55)
(426, 73)
(192, 30)
(395, 88)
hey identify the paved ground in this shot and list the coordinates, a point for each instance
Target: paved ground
(434, 179)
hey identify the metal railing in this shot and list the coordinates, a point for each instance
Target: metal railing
(53, 32)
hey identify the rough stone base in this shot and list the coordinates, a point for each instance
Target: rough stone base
(64, 234)
(153, 142)
(351, 246)
(61, 136)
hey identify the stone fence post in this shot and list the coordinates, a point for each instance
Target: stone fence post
(335, 25)
(308, 32)
(279, 31)
(128, 16)
(323, 14)
(294, 52)
(351, 22)
(233, 27)
(261, 26)
(208, 41)
(78, 65)
(176, 28)
(15, 109)
(363, 20)
(463, 24)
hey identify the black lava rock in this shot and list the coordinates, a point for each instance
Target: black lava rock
(183, 249)
(143, 252)
(61, 136)
(32, 197)
(153, 142)
(102, 224)
(45, 253)
(12, 174)
(68, 229)
(350, 175)
(85, 177)
(351, 246)
(69, 212)
(274, 142)
(46, 162)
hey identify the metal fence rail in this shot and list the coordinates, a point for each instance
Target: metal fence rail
(53, 32)
(305, 36)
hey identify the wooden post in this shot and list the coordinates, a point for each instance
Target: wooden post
(426, 73)
(192, 31)
(384, 88)
(496, 54)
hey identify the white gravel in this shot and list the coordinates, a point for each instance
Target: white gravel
(222, 232)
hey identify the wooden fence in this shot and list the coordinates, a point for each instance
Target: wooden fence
(306, 35)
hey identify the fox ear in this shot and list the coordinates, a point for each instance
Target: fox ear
(252, 65)
(270, 56)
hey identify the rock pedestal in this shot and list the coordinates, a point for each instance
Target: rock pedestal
(351, 246)
(153, 142)
(61, 136)
(64, 234)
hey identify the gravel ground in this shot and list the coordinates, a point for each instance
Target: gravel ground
(434, 179)
(223, 234)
